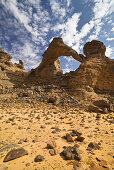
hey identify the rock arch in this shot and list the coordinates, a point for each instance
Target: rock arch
(49, 67)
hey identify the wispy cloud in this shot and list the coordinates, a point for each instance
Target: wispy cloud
(31, 30)
(110, 39)
(57, 9)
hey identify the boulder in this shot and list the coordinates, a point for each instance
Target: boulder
(94, 48)
(15, 153)
(71, 153)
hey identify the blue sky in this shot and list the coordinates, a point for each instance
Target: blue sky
(28, 26)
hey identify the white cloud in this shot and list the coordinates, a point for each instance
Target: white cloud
(112, 29)
(109, 52)
(57, 10)
(101, 10)
(110, 39)
(68, 2)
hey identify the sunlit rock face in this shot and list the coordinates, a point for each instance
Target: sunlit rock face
(4, 57)
(97, 71)
(94, 49)
(11, 75)
(49, 66)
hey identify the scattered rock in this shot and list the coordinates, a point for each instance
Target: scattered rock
(80, 138)
(38, 158)
(71, 153)
(69, 138)
(53, 152)
(102, 103)
(15, 153)
(76, 133)
(51, 145)
(93, 145)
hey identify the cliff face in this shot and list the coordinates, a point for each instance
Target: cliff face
(11, 75)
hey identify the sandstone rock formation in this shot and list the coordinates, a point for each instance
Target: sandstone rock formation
(11, 75)
(95, 74)
(49, 66)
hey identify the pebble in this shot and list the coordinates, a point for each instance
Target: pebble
(38, 158)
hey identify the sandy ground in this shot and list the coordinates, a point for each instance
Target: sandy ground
(34, 127)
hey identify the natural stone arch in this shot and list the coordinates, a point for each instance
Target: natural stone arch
(49, 67)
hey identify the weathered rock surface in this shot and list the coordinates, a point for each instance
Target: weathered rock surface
(71, 153)
(15, 153)
(11, 75)
(38, 158)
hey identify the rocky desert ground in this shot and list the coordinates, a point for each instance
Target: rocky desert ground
(50, 120)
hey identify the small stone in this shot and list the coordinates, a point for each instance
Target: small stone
(76, 133)
(93, 145)
(11, 119)
(69, 138)
(80, 138)
(51, 145)
(38, 158)
(53, 152)
(15, 153)
(27, 164)
(42, 126)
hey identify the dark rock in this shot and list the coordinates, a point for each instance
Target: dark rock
(102, 103)
(52, 100)
(80, 138)
(15, 153)
(76, 133)
(93, 145)
(69, 138)
(71, 153)
(38, 158)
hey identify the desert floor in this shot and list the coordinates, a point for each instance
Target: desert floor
(33, 126)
